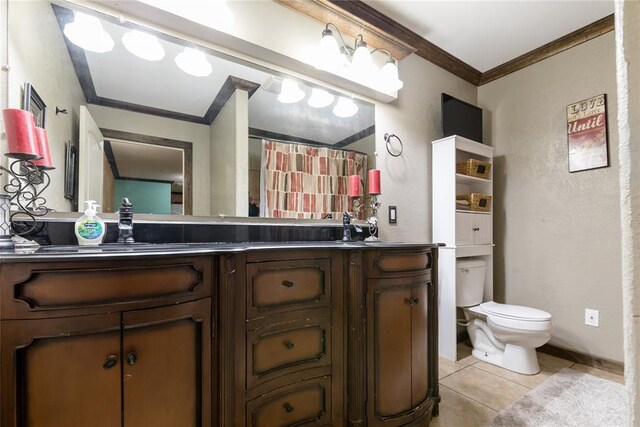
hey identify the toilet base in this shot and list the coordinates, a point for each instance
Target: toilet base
(515, 358)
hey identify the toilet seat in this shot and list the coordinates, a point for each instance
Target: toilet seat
(514, 312)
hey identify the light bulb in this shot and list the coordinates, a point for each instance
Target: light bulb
(328, 51)
(345, 107)
(143, 45)
(86, 32)
(290, 92)
(389, 80)
(194, 62)
(320, 98)
(362, 64)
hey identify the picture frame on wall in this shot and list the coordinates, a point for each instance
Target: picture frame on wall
(71, 172)
(31, 101)
(587, 134)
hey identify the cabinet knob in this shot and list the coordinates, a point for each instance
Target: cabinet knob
(288, 407)
(131, 358)
(287, 283)
(413, 300)
(112, 360)
(289, 345)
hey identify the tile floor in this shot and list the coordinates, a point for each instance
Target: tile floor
(473, 392)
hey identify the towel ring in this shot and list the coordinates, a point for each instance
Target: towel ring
(387, 138)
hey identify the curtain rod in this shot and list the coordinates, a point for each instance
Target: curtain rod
(319, 145)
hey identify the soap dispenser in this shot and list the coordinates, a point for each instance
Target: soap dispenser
(90, 228)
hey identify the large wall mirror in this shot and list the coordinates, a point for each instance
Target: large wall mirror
(178, 128)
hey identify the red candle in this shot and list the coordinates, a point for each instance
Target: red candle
(21, 134)
(354, 186)
(374, 181)
(43, 149)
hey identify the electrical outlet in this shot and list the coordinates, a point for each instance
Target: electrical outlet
(591, 317)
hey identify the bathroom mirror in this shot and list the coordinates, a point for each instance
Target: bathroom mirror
(160, 115)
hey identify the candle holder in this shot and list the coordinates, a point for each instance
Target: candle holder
(26, 183)
(372, 220)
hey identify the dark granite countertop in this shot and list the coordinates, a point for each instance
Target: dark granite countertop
(115, 250)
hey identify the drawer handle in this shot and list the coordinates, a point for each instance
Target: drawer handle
(288, 407)
(476, 229)
(131, 358)
(287, 283)
(413, 300)
(289, 345)
(112, 360)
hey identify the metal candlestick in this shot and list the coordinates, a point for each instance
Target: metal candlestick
(372, 220)
(26, 183)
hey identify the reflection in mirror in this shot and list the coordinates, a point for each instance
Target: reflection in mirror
(139, 100)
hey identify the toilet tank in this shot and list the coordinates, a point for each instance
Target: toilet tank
(470, 275)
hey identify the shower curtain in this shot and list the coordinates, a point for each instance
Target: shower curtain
(307, 182)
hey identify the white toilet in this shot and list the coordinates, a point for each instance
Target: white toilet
(501, 334)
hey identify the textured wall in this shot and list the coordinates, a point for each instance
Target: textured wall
(415, 118)
(557, 234)
(628, 68)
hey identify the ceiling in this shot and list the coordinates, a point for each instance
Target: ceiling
(144, 161)
(485, 34)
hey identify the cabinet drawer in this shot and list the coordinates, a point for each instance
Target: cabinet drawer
(287, 348)
(31, 290)
(392, 263)
(302, 403)
(282, 286)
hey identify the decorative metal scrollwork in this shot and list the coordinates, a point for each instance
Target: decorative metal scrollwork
(25, 186)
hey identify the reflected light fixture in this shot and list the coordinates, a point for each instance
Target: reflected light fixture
(193, 61)
(143, 45)
(335, 55)
(320, 98)
(86, 32)
(290, 92)
(345, 107)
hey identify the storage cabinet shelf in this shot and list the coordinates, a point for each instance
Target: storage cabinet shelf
(466, 233)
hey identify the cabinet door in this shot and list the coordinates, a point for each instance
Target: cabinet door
(167, 366)
(61, 372)
(482, 229)
(398, 350)
(464, 229)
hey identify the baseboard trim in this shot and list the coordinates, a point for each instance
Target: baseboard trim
(584, 358)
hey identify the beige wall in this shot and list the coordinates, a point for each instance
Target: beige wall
(557, 233)
(198, 135)
(628, 68)
(230, 157)
(415, 118)
(44, 62)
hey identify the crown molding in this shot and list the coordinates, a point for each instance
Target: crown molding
(584, 34)
(355, 17)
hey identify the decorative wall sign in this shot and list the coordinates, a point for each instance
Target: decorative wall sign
(31, 101)
(587, 134)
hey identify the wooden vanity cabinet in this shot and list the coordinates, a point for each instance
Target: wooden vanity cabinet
(110, 360)
(401, 331)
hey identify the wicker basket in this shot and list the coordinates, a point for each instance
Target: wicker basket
(477, 201)
(473, 167)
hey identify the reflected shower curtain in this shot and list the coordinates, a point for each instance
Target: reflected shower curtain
(307, 182)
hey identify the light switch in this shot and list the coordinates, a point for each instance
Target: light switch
(393, 215)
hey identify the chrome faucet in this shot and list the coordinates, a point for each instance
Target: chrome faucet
(346, 227)
(125, 222)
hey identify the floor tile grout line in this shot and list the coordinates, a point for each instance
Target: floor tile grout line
(504, 378)
(471, 399)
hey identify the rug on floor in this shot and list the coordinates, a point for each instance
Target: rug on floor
(568, 398)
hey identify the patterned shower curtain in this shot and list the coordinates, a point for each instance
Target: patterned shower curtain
(302, 181)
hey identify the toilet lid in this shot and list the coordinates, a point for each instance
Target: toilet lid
(517, 312)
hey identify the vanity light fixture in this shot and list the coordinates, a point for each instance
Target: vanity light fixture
(193, 61)
(345, 107)
(290, 92)
(143, 45)
(86, 32)
(320, 98)
(335, 55)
